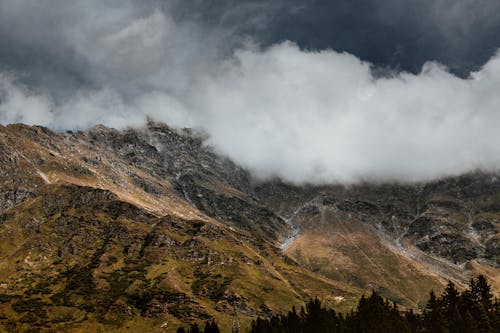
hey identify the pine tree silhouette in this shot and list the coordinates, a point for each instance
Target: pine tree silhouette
(211, 327)
(473, 310)
(194, 328)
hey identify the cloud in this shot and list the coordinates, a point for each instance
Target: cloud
(323, 117)
(83, 110)
(280, 110)
(19, 105)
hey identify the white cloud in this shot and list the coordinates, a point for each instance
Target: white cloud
(18, 105)
(323, 117)
(304, 116)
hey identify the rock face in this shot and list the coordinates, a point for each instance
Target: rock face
(211, 183)
(392, 237)
(454, 219)
(109, 229)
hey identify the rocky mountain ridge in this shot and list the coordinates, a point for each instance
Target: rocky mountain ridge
(155, 226)
(448, 227)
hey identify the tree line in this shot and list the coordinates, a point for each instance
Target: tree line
(473, 310)
(210, 327)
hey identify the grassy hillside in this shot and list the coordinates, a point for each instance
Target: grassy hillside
(77, 259)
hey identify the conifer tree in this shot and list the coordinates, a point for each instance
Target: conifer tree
(483, 291)
(471, 311)
(433, 316)
(211, 327)
(292, 323)
(450, 296)
(194, 328)
(412, 321)
(468, 323)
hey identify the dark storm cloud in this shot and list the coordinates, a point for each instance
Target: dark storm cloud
(462, 34)
(351, 97)
(402, 35)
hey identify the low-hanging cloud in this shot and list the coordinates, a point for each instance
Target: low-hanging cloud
(323, 117)
(305, 116)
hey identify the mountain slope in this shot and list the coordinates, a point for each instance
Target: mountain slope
(91, 240)
(77, 257)
(121, 230)
(448, 228)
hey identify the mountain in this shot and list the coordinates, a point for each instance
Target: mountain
(138, 229)
(382, 236)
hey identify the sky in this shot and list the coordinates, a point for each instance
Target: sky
(310, 91)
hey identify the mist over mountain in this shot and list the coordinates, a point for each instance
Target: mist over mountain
(320, 108)
(173, 163)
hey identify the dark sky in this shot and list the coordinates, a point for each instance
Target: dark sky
(400, 34)
(394, 34)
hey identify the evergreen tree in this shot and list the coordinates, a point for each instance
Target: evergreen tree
(211, 327)
(484, 320)
(494, 314)
(450, 296)
(454, 318)
(194, 328)
(316, 318)
(260, 326)
(433, 317)
(292, 322)
(376, 315)
(471, 311)
(483, 292)
(412, 321)
(468, 323)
